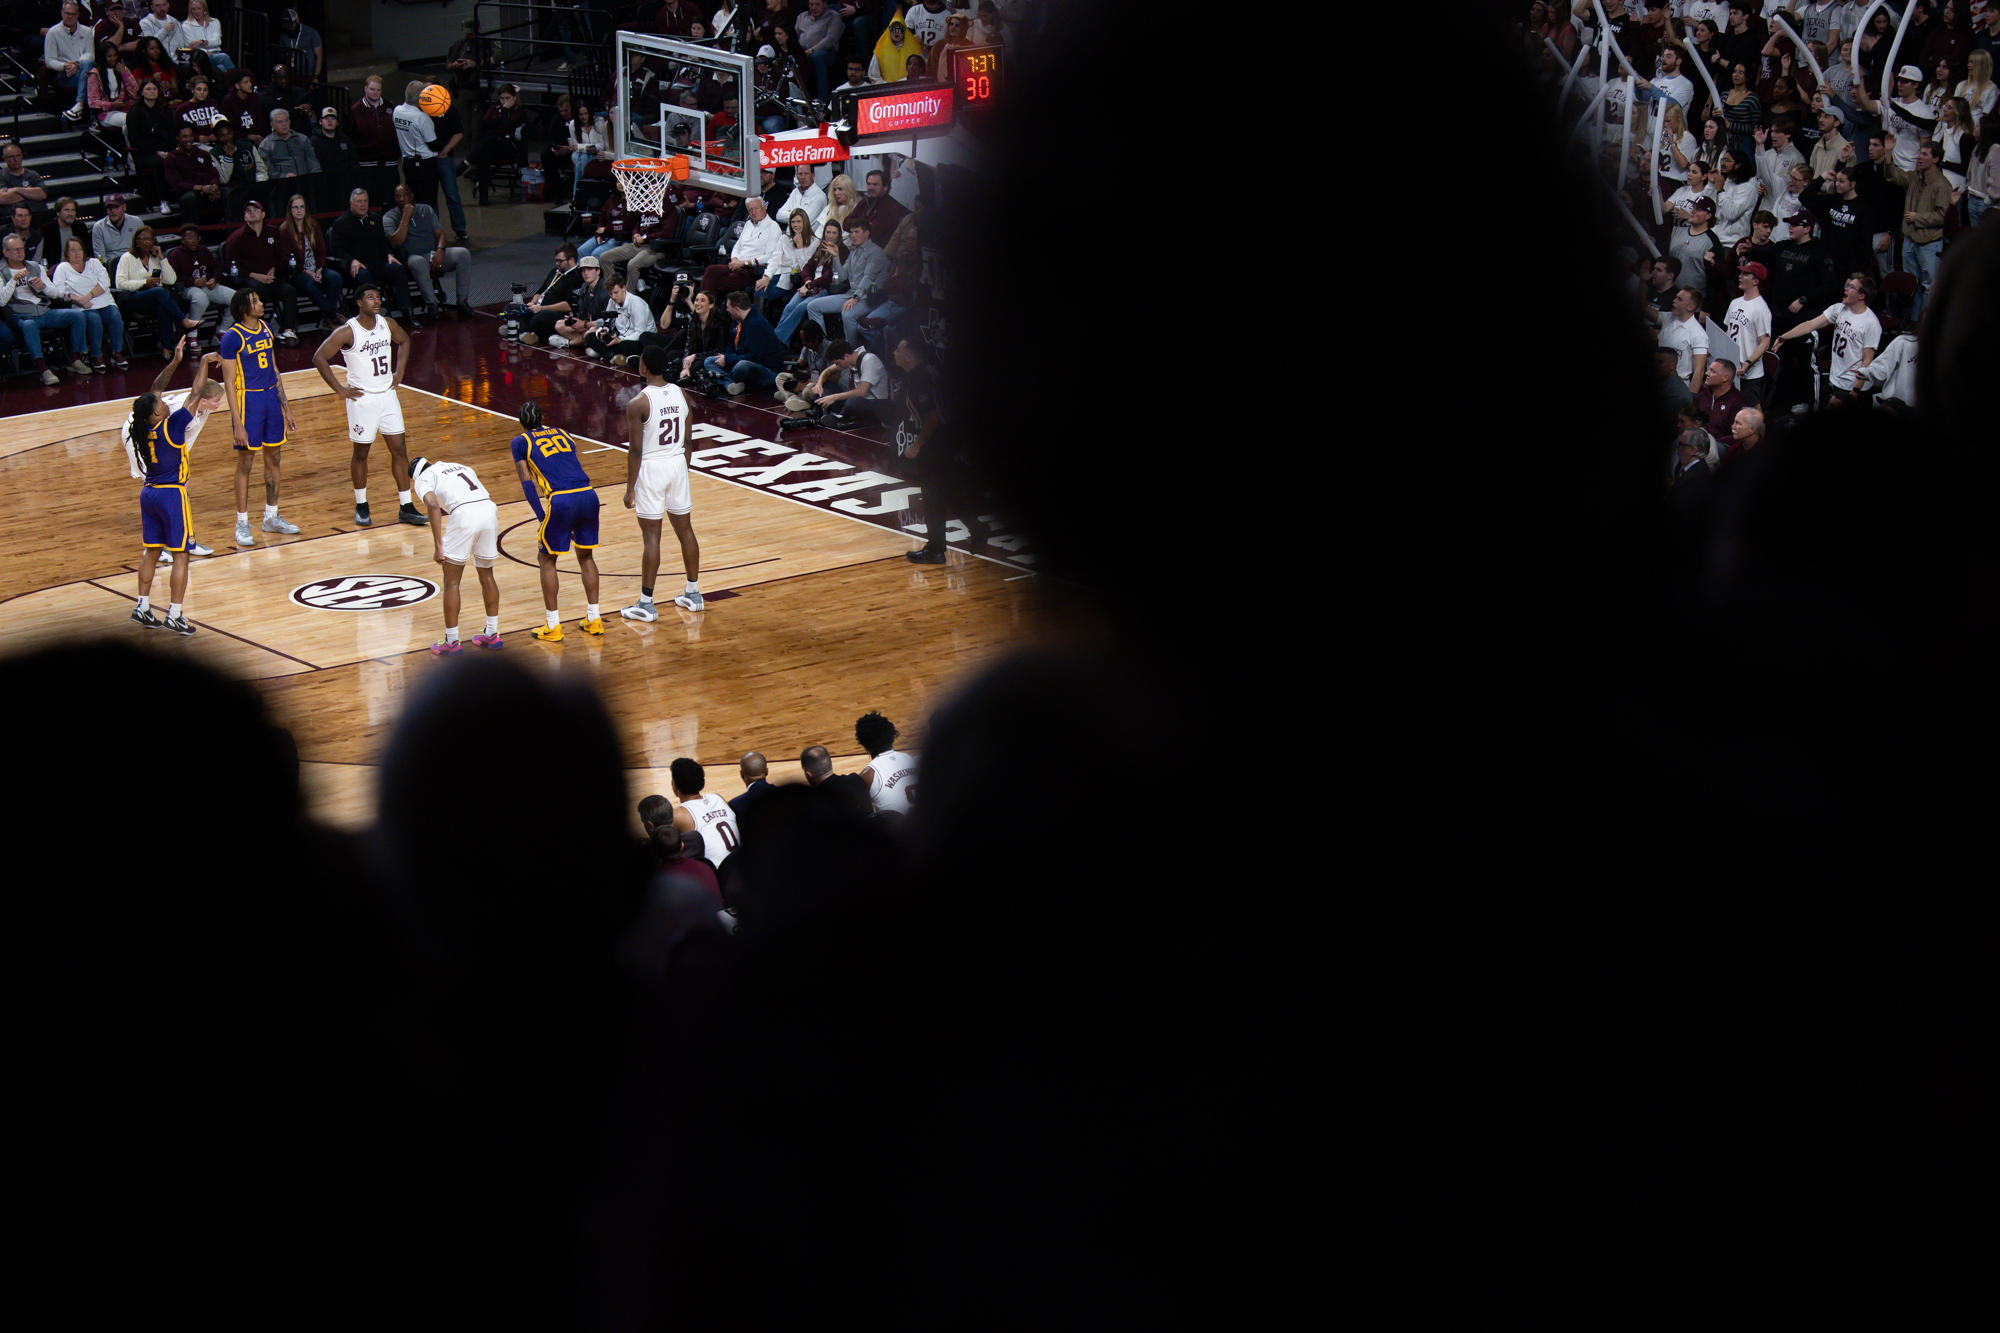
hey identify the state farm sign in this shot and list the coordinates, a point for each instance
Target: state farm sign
(901, 112)
(807, 149)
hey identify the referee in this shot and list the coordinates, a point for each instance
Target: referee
(925, 437)
(416, 139)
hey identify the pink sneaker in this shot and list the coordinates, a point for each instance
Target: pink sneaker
(487, 640)
(446, 649)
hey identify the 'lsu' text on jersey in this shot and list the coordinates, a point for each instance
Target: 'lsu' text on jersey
(253, 352)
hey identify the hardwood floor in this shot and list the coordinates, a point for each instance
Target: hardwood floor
(814, 617)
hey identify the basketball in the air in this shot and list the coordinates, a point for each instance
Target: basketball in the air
(434, 100)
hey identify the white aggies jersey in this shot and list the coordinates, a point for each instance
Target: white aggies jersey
(666, 422)
(892, 779)
(369, 365)
(716, 823)
(452, 485)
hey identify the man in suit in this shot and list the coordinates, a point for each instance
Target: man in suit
(752, 770)
(1691, 474)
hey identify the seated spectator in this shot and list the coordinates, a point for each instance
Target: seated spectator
(21, 222)
(151, 61)
(586, 308)
(282, 94)
(84, 282)
(610, 229)
(415, 234)
(707, 333)
(112, 88)
(652, 230)
(68, 49)
(242, 108)
(899, 289)
(670, 845)
(362, 252)
(286, 157)
(759, 245)
(805, 196)
(57, 231)
(33, 307)
(627, 320)
(161, 26)
(804, 368)
(150, 132)
(1746, 432)
(500, 127)
(546, 308)
(883, 213)
(200, 274)
(857, 77)
(201, 37)
(853, 387)
(781, 280)
(1692, 418)
(152, 284)
(262, 263)
(754, 355)
(200, 111)
(236, 164)
(1691, 473)
(840, 201)
(111, 235)
(19, 183)
(191, 178)
(310, 267)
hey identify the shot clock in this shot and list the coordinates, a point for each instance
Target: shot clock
(976, 75)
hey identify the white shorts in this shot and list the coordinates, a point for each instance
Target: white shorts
(372, 414)
(663, 487)
(473, 529)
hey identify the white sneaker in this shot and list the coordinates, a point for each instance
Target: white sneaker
(196, 548)
(689, 601)
(592, 353)
(557, 340)
(640, 611)
(277, 523)
(165, 558)
(243, 534)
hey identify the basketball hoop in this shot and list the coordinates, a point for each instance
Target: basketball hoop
(644, 180)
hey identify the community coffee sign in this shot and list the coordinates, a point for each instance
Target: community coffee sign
(903, 112)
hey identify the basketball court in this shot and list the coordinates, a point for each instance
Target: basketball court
(814, 616)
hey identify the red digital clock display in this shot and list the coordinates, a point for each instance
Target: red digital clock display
(976, 75)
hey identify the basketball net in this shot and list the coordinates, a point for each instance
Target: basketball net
(644, 181)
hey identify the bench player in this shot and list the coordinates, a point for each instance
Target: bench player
(256, 396)
(545, 459)
(891, 774)
(159, 438)
(656, 480)
(465, 524)
(369, 342)
(703, 813)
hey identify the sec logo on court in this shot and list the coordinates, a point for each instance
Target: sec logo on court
(364, 592)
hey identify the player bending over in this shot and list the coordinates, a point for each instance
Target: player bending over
(464, 522)
(369, 342)
(656, 480)
(545, 459)
(263, 416)
(159, 438)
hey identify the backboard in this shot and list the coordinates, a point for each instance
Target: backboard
(671, 102)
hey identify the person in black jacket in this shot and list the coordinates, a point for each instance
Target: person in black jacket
(753, 356)
(1804, 282)
(57, 231)
(358, 246)
(547, 308)
(335, 151)
(586, 307)
(150, 129)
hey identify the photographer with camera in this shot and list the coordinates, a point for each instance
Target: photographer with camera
(586, 308)
(626, 320)
(754, 355)
(540, 314)
(851, 391)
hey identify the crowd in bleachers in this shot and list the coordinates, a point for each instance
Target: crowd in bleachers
(1807, 190)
